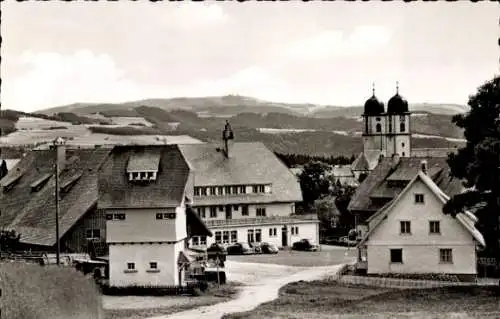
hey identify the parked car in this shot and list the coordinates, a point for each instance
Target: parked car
(330, 240)
(256, 247)
(345, 241)
(240, 249)
(306, 245)
(268, 248)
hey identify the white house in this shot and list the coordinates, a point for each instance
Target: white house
(144, 192)
(411, 234)
(244, 193)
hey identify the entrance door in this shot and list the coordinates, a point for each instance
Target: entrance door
(229, 212)
(284, 237)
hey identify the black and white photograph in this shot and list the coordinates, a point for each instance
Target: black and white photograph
(249, 159)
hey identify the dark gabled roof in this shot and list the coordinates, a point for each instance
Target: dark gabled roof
(366, 160)
(195, 225)
(168, 190)
(378, 185)
(32, 213)
(248, 163)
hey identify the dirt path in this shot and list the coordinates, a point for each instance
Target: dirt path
(256, 290)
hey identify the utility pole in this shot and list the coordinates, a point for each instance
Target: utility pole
(57, 144)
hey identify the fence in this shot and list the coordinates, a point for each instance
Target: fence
(262, 220)
(401, 283)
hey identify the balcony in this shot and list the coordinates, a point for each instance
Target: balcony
(262, 220)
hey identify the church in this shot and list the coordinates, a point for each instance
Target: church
(387, 133)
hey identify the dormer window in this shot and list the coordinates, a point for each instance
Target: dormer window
(143, 166)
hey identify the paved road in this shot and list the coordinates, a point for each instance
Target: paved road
(257, 293)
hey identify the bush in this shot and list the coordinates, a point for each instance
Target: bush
(31, 291)
(155, 290)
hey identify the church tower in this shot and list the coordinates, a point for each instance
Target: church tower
(398, 126)
(374, 126)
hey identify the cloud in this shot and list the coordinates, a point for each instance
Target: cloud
(53, 79)
(197, 15)
(362, 41)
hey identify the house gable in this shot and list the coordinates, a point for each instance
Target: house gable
(386, 225)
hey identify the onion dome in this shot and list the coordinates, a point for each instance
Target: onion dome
(373, 106)
(397, 104)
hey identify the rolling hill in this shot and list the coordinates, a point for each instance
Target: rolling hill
(235, 104)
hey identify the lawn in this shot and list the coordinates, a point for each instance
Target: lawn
(135, 307)
(329, 255)
(321, 299)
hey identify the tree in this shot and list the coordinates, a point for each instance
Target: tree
(478, 163)
(3, 169)
(327, 211)
(313, 182)
(9, 240)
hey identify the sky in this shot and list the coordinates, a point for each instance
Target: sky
(56, 53)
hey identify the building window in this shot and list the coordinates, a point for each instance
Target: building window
(396, 256)
(378, 119)
(390, 124)
(243, 189)
(402, 127)
(201, 212)
(405, 227)
(153, 265)
(213, 190)
(402, 118)
(160, 215)
(250, 236)
(255, 189)
(221, 208)
(272, 232)
(195, 241)
(294, 230)
(262, 188)
(234, 236)
(218, 237)
(213, 211)
(244, 210)
(236, 207)
(203, 240)
(225, 237)
(109, 216)
(169, 216)
(220, 190)
(117, 217)
(261, 212)
(235, 190)
(402, 144)
(204, 191)
(196, 191)
(228, 190)
(130, 266)
(419, 198)
(378, 128)
(403, 154)
(258, 235)
(434, 227)
(93, 233)
(445, 256)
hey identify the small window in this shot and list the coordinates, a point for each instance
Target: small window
(434, 227)
(204, 191)
(378, 128)
(197, 191)
(225, 237)
(235, 190)
(221, 208)
(255, 189)
(227, 190)
(153, 265)
(236, 207)
(131, 266)
(119, 216)
(250, 237)
(402, 127)
(294, 230)
(405, 227)
(402, 144)
(213, 190)
(220, 190)
(397, 256)
(213, 211)
(243, 189)
(419, 198)
(234, 236)
(109, 216)
(262, 188)
(169, 216)
(203, 240)
(159, 216)
(378, 119)
(195, 241)
(258, 235)
(201, 212)
(445, 256)
(261, 212)
(402, 118)
(244, 210)
(403, 154)
(93, 233)
(218, 237)
(272, 232)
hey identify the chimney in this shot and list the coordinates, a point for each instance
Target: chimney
(423, 166)
(395, 160)
(227, 135)
(61, 152)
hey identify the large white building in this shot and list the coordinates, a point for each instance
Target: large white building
(412, 235)
(244, 193)
(145, 193)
